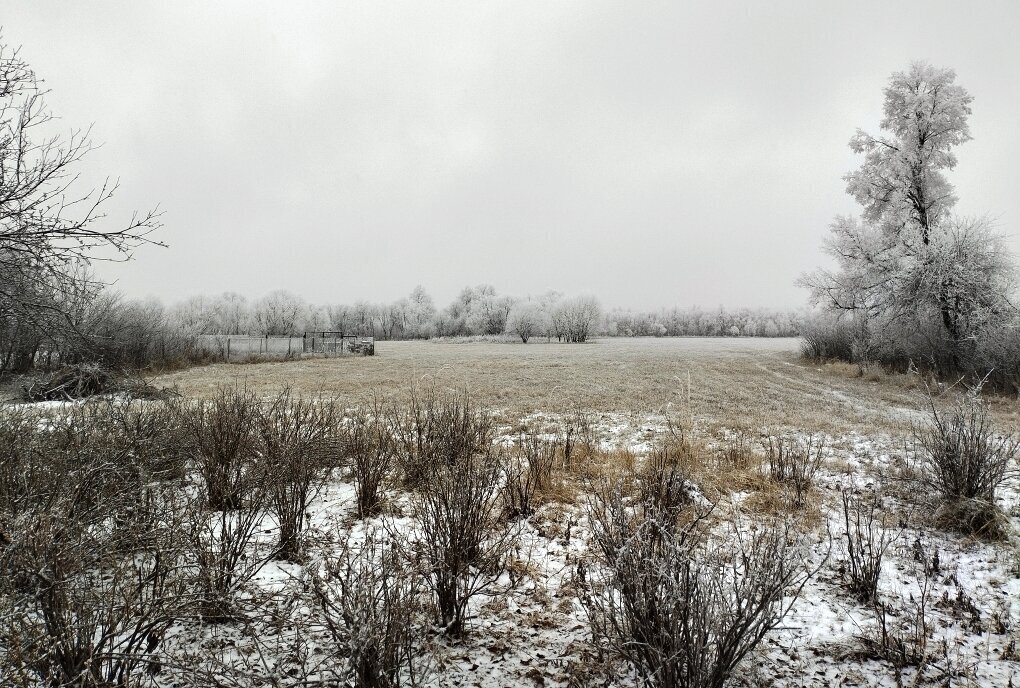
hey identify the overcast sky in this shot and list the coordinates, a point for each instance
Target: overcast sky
(650, 153)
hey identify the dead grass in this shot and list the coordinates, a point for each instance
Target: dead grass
(725, 382)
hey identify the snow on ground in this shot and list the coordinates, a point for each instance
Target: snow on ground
(538, 634)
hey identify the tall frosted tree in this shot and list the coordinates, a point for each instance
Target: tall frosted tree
(908, 260)
(901, 184)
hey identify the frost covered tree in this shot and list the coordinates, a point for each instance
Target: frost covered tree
(487, 311)
(49, 224)
(231, 313)
(575, 319)
(279, 313)
(907, 262)
(526, 319)
(421, 313)
(194, 316)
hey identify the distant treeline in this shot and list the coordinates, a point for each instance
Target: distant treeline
(135, 333)
(695, 322)
(476, 311)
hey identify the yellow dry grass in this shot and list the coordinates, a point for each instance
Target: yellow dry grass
(723, 382)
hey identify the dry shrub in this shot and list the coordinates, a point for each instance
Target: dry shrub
(665, 489)
(224, 553)
(681, 604)
(370, 604)
(866, 537)
(964, 459)
(84, 606)
(531, 468)
(901, 636)
(580, 438)
(736, 451)
(975, 517)
(372, 450)
(296, 438)
(733, 463)
(223, 432)
(438, 429)
(462, 541)
(22, 476)
(160, 440)
(86, 457)
(793, 463)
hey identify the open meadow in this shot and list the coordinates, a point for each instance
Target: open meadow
(722, 382)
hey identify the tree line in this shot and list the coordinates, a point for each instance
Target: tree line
(475, 311)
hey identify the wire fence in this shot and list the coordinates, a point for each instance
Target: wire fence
(237, 347)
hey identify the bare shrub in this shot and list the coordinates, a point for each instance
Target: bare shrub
(964, 459)
(295, 440)
(160, 442)
(580, 437)
(91, 569)
(222, 430)
(80, 611)
(438, 429)
(85, 458)
(372, 449)
(224, 553)
(530, 470)
(900, 636)
(462, 543)
(867, 539)
(665, 490)
(794, 463)
(18, 467)
(370, 604)
(681, 605)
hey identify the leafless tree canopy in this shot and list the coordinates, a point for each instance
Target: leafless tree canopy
(48, 223)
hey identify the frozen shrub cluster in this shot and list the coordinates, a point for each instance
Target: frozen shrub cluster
(964, 459)
(679, 601)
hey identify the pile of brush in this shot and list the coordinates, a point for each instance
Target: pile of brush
(87, 380)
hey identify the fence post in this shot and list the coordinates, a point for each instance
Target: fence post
(228, 349)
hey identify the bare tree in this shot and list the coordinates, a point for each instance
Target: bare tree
(48, 223)
(526, 319)
(279, 313)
